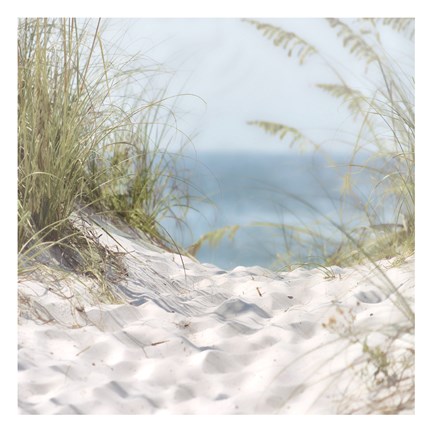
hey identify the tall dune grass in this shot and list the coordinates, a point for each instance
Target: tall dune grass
(385, 144)
(92, 132)
(384, 148)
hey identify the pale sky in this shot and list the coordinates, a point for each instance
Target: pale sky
(242, 76)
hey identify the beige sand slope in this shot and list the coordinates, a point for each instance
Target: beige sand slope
(200, 340)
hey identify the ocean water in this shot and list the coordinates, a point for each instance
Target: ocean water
(253, 189)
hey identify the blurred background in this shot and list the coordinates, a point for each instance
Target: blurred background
(229, 74)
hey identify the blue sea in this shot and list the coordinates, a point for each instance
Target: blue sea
(255, 189)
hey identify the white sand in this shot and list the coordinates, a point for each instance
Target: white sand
(247, 341)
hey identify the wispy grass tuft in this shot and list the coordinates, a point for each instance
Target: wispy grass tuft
(384, 149)
(288, 41)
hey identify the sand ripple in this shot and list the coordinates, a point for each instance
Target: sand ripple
(245, 341)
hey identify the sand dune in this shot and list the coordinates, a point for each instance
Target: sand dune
(191, 338)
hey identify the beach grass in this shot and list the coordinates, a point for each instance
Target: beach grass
(93, 132)
(384, 148)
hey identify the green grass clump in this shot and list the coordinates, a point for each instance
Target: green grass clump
(92, 132)
(54, 139)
